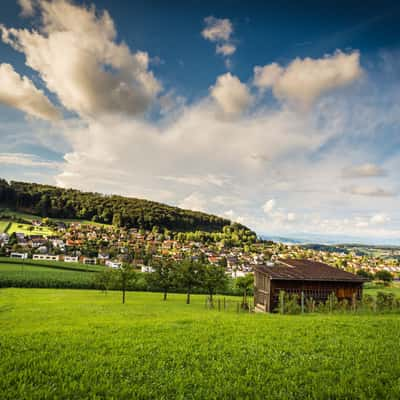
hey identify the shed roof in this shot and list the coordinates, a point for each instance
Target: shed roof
(306, 270)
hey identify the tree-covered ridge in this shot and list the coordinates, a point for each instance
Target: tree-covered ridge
(55, 202)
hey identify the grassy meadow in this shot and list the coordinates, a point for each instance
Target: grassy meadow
(30, 230)
(77, 344)
(3, 226)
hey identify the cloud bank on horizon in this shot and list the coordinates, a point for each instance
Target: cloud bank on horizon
(290, 148)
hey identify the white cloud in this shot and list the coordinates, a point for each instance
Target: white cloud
(231, 95)
(266, 77)
(20, 93)
(75, 53)
(27, 160)
(291, 216)
(380, 219)
(363, 171)
(226, 49)
(372, 191)
(220, 31)
(268, 206)
(27, 7)
(195, 201)
(209, 179)
(217, 29)
(304, 80)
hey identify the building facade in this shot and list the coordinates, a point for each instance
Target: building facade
(309, 279)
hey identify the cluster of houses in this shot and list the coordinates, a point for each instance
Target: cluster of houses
(101, 244)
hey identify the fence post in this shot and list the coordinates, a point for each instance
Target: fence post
(219, 304)
(302, 302)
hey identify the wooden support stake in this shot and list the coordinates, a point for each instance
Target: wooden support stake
(302, 302)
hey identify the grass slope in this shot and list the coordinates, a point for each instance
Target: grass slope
(30, 230)
(4, 225)
(84, 344)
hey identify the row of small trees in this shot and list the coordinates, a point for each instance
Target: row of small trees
(294, 304)
(187, 275)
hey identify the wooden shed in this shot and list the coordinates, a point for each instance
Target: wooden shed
(314, 279)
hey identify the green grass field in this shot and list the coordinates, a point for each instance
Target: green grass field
(31, 230)
(54, 264)
(71, 344)
(3, 226)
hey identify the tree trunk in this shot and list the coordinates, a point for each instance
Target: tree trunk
(211, 299)
(123, 295)
(188, 297)
(165, 295)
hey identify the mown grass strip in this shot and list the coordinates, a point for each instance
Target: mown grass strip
(54, 264)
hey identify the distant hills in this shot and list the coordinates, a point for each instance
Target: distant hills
(324, 239)
(55, 202)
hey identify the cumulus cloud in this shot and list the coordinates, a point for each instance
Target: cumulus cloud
(231, 95)
(217, 29)
(226, 49)
(372, 191)
(304, 80)
(380, 219)
(27, 7)
(367, 170)
(220, 31)
(269, 205)
(195, 201)
(76, 54)
(19, 92)
(265, 77)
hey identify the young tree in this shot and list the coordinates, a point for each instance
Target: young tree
(384, 276)
(245, 283)
(190, 275)
(214, 279)
(164, 276)
(120, 278)
(365, 274)
(104, 279)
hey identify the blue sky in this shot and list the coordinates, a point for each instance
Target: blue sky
(283, 116)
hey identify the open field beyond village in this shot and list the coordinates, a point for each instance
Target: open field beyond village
(86, 344)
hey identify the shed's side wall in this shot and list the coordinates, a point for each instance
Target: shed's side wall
(318, 290)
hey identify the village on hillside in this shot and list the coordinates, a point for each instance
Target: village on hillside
(87, 243)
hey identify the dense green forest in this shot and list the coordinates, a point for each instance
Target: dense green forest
(55, 202)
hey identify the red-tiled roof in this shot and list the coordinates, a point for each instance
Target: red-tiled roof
(308, 271)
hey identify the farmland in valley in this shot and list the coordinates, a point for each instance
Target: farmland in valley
(85, 344)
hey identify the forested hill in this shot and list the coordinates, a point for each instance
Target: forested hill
(51, 201)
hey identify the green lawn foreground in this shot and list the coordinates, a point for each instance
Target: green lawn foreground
(77, 344)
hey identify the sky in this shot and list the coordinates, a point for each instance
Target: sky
(283, 116)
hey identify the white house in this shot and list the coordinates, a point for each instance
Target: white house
(22, 256)
(46, 257)
(70, 259)
(113, 264)
(146, 268)
(4, 237)
(89, 261)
